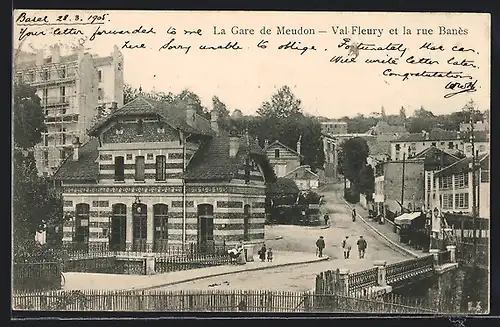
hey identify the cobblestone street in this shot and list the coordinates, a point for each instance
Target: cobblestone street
(299, 238)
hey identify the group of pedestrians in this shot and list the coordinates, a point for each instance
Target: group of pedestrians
(346, 246)
(264, 252)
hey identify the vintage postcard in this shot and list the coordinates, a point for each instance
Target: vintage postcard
(211, 161)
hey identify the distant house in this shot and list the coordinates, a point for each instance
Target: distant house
(453, 191)
(383, 128)
(481, 143)
(283, 158)
(304, 177)
(334, 127)
(418, 176)
(411, 144)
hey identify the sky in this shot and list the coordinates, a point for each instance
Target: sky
(245, 78)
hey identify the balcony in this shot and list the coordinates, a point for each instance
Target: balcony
(61, 118)
(53, 80)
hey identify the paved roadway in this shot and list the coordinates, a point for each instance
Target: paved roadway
(298, 238)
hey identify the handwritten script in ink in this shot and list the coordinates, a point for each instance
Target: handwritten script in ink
(454, 65)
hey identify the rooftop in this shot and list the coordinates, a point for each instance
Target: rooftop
(463, 166)
(436, 134)
(173, 114)
(210, 162)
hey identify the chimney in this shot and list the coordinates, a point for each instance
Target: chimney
(56, 54)
(234, 143)
(76, 149)
(39, 57)
(266, 143)
(213, 120)
(190, 112)
(81, 52)
(298, 144)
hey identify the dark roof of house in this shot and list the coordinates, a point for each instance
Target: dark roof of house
(383, 127)
(212, 160)
(173, 114)
(282, 186)
(436, 134)
(436, 156)
(463, 165)
(85, 169)
(301, 172)
(377, 147)
(283, 146)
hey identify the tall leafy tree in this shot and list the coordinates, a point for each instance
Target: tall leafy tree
(36, 203)
(28, 117)
(352, 159)
(283, 104)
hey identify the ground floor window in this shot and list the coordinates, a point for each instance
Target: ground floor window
(160, 220)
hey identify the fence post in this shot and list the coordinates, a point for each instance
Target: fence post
(381, 272)
(150, 263)
(452, 249)
(435, 253)
(344, 281)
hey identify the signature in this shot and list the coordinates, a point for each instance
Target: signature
(461, 87)
(458, 321)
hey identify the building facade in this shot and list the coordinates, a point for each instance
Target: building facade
(411, 144)
(283, 158)
(334, 127)
(410, 190)
(331, 156)
(68, 87)
(453, 191)
(157, 174)
(304, 178)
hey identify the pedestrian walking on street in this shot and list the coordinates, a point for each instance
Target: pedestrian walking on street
(270, 255)
(320, 245)
(353, 214)
(361, 247)
(326, 219)
(346, 245)
(262, 253)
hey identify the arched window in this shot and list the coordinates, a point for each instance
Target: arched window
(160, 220)
(82, 215)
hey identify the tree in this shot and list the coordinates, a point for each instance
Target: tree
(28, 117)
(283, 104)
(35, 202)
(187, 95)
(367, 181)
(220, 107)
(352, 159)
(129, 93)
(402, 112)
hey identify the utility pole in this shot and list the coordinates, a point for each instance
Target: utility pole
(403, 182)
(471, 111)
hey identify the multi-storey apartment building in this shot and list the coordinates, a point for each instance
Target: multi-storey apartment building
(453, 191)
(70, 91)
(155, 174)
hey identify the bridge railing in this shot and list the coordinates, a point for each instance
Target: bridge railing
(341, 281)
(363, 279)
(400, 271)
